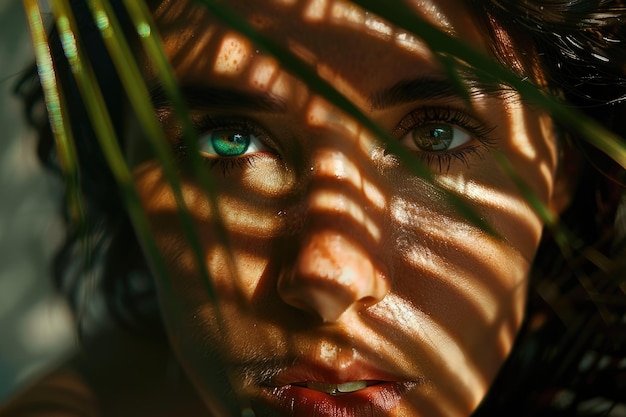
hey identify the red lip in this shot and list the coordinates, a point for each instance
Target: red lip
(289, 397)
(373, 401)
(339, 373)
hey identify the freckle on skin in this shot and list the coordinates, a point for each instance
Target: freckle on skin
(232, 56)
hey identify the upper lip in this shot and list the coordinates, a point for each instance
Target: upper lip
(355, 370)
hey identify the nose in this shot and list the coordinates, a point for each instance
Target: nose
(337, 267)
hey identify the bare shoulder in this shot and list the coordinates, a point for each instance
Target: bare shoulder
(63, 393)
(121, 377)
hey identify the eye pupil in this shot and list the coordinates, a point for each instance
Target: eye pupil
(433, 138)
(228, 143)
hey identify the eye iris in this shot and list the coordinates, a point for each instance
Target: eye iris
(433, 138)
(227, 143)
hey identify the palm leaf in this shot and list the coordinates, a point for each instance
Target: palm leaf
(57, 113)
(99, 115)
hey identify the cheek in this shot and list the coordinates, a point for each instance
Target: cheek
(235, 252)
(494, 196)
(469, 288)
(512, 189)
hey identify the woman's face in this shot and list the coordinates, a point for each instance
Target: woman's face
(354, 287)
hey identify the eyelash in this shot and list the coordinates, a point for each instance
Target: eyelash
(478, 131)
(207, 123)
(443, 160)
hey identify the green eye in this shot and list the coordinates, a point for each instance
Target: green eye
(438, 137)
(228, 143)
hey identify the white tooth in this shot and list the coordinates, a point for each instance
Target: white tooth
(351, 386)
(319, 386)
(335, 389)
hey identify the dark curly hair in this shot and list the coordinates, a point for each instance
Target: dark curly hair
(569, 357)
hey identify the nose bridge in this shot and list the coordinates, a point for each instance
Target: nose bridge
(334, 162)
(336, 187)
(336, 268)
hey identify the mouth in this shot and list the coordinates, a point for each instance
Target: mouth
(347, 387)
(337, 389)
(372, 398)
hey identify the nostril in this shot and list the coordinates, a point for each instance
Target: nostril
(332, 273)
(369, 301)
(324, 299)
(329, 306)
(329, 295)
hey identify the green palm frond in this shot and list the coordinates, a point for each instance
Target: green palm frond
(105, 132)
(57, 113)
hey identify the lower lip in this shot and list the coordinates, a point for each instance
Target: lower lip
(375, 401)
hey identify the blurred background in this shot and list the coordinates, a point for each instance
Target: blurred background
(36, 331)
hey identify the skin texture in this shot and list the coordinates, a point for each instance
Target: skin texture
(345, 265)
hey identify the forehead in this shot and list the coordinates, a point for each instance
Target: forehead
(335, 36)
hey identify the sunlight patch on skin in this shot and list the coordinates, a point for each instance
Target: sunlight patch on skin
(343, 12)
(547, 171)
(487, 197)
(412, 44)
(331, 354)
(484, 196)
(374, 194)
(519, 131)
(316, 10)
(433, 13)
(264, 72)
(337, 203)
(548, 130)
(328, 353)
(284, 87)
(547, 167)
(233, 55)
(268, 179)
(320, 114)
(378, 26)
(404, 212)
(335, 165)
(248, 218)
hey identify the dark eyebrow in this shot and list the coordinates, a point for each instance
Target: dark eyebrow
(216, 98)
(415, 90)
